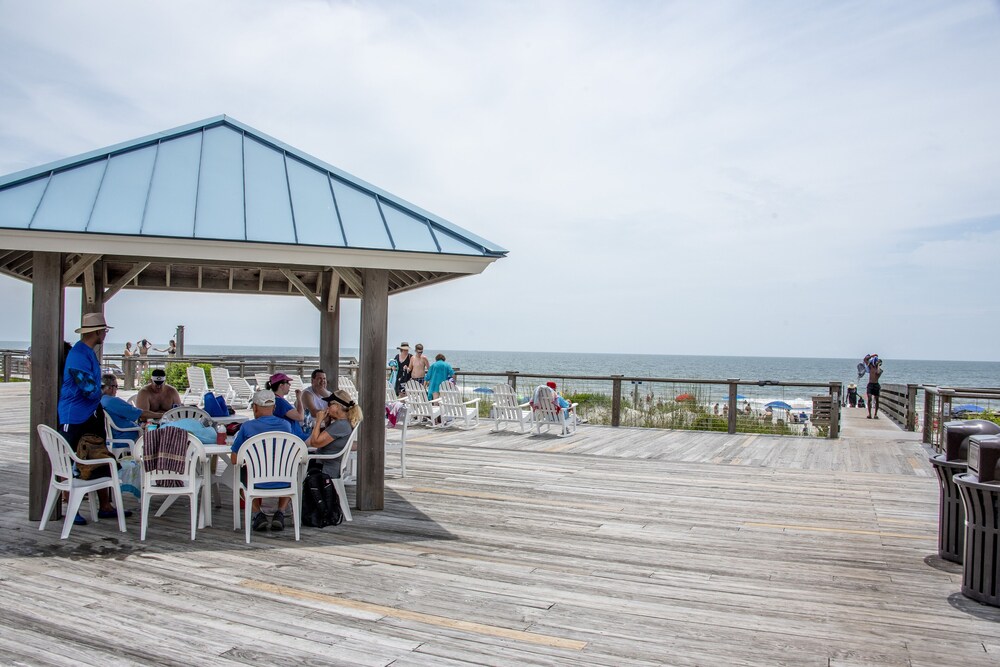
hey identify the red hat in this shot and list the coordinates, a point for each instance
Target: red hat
(550, 385)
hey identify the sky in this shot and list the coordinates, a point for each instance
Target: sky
(767, 178)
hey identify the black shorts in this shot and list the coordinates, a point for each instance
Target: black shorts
(874, 388)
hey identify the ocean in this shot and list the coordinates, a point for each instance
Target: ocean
(788, 369)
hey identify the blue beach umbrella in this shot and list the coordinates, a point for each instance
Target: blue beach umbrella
(967, 407)
(779, 405)
(483, 390)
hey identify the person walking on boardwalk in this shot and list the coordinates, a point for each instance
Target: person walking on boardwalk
(419, 364)
(440, 371)
(874, 388)
(403, 368)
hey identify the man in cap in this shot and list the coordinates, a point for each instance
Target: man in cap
(262, 422)
(80, 394)
(157, 396)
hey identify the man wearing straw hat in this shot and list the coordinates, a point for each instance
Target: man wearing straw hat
(79, 407)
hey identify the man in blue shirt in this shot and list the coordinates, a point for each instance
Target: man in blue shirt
(80, 398)
(121, 412)
(262, 422)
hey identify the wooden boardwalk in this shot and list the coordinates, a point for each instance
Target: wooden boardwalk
(613, 547)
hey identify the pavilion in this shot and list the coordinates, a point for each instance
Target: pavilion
(217, 206)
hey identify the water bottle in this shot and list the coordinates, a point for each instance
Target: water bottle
(220, 434)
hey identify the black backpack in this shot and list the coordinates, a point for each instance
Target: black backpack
(320, 504)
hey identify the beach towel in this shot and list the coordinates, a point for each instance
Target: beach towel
(537, 401)
(165, 450)
(395, 412)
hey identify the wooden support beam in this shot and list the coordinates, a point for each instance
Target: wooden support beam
(78, 267)
(371, 389)
(301, 286)
(93, 301)
(117, 286)
(89, 292)
(351, 279)
(329, 329)
(47, 302)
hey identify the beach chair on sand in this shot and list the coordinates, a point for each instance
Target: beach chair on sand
(546, 413)
(455, 410)
(197, 386)
(420, 409)
(506, 409)
(242, 393)
(220, 384)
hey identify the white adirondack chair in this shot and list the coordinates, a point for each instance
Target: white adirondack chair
(221, 385)
(390, 394)
(506, 409)
(419, 409)
(455, 410)
(197, 386)
(347, 384)
(242, 393)
(546, 413)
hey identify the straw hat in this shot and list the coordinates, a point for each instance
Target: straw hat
(92, 322)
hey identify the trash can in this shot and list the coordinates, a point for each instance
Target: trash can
(955, 443)
(981, 566)
(950, 462)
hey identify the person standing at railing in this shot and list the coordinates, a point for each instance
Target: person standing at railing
(440, 371)
(874, 388)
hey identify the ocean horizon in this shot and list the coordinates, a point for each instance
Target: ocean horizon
(698, 367)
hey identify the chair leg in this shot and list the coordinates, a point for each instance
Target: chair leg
(194, 511)
(72, 507)
(296, 512)
(116, 491)
(144, 520)
(342, 497)
(236, 503)
(92, 497)
(246, 516)
(50, 503)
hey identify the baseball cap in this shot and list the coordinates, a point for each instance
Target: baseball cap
(263, 398)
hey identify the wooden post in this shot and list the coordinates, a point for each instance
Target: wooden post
(179, 340)
(616, 400)
(7, 359)
(944, 412)
(92, 299)
(329, 330)
(911, 407)
(928, 416)
(512, 379)
(371, 389)
(733, 407)
(47, 303)
(835, 389)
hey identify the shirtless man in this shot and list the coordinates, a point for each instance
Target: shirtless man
(874, 388)
(157, 396)
(419, 364)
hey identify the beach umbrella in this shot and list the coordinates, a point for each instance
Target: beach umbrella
(684, 397)
(780, 405)
(967, 407)
(483, 390)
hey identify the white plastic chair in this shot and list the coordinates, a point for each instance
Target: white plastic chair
(243, 393)
(295, 383)
(197, 386)
(455, 411)
(261, 380)
(191, 481)
(119, 446)
(402, 424)
(221, 385)
(338, 482)
(506, 409)
(62, 459)
(546, 413)
(347, 384)
(274, 457)
(184, 412)
(419, 408)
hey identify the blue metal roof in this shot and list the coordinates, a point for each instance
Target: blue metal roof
(221, 179)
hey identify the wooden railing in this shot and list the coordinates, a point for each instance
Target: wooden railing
(938, 402)
(899, 403)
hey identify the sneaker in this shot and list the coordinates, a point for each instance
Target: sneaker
(259, 521)
(79, 520)
(112, 514)
(278, 521)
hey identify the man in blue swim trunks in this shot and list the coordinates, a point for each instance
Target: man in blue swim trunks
(262, 422)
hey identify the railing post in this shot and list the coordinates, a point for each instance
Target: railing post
(128, 367)
(835, 389)
(7, 360)
(733, 389)
(928, 416)
(616, 400)
(911, 407)
(512, 379)
(945, 411)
